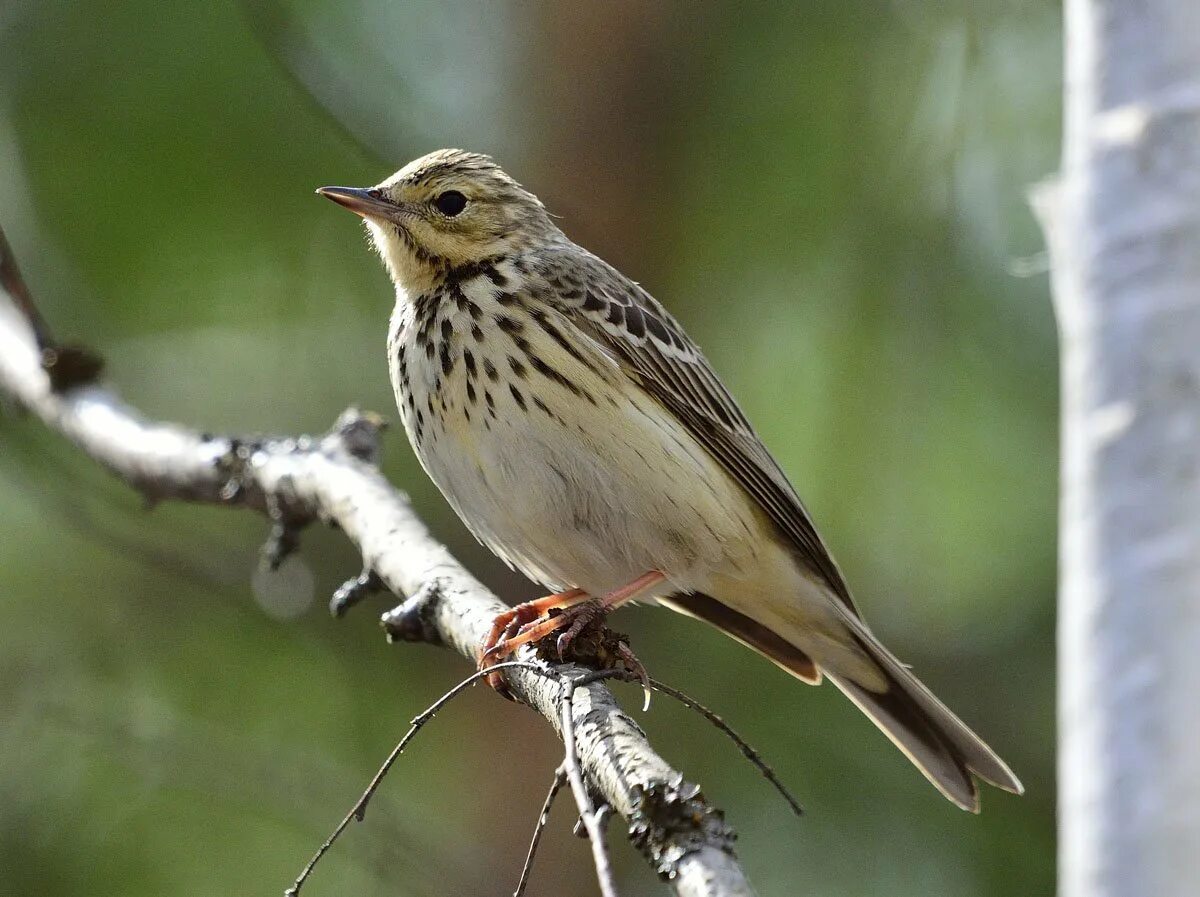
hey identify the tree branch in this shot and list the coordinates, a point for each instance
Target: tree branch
(334, 478)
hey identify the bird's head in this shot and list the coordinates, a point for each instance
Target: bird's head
(445, 210)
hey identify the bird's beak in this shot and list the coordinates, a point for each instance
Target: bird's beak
(361, 201)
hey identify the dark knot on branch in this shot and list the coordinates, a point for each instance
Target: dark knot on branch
(414, 619)
(358, 434)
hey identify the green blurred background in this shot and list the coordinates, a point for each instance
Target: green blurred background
(829, 195)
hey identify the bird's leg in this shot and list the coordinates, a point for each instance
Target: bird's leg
(509, 623)
(591, 610)
(574, 617)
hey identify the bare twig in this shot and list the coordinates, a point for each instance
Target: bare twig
(593, 819)
(359, 811)
(560, 778)
(352, 591)
(747, 751)
(66, 364)
(334, 478)
(18, 294)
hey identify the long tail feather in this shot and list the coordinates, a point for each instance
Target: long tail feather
(937, 742)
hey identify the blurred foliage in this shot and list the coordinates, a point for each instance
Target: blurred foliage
(829, 195)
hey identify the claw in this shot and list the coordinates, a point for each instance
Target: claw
(508, 629)
(583, 615)
(635, 666)
(536, 620)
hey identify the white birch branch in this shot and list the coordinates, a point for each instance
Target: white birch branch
(333, 478)
(1123, 226)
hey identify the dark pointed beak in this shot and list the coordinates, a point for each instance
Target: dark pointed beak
(366, 202)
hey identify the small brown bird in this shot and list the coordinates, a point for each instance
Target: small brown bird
(583, 437)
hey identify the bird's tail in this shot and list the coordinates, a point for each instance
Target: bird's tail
(930, 735)
(926, 730)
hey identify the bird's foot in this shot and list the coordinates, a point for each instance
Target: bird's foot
(581, 617)
(509, 628)
(573, 611)
(590, 642)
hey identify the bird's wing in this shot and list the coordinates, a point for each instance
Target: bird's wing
(631, 326)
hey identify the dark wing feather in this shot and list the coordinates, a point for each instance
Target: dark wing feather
(652, 349)
(747, 631)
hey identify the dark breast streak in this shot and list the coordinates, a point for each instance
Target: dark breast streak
(469, 348)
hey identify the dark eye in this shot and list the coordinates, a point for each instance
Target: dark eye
(450, 203)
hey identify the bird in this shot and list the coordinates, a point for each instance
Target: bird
(584, 438)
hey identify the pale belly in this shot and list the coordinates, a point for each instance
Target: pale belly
(575, 492)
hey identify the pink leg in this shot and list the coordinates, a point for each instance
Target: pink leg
(520, 616)
(639, 586)
(576, 617)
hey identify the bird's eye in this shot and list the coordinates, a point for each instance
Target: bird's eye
(450, 203)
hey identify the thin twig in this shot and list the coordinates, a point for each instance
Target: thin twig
(560, 778)
(747, 751)
(587, 813)
(12, 280)
(67, 364)
(359, 811)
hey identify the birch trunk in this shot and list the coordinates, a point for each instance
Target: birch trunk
(1123, 225)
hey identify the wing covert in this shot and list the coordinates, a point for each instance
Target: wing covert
(630, 326)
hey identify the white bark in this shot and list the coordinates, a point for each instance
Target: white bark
(1123, 224)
